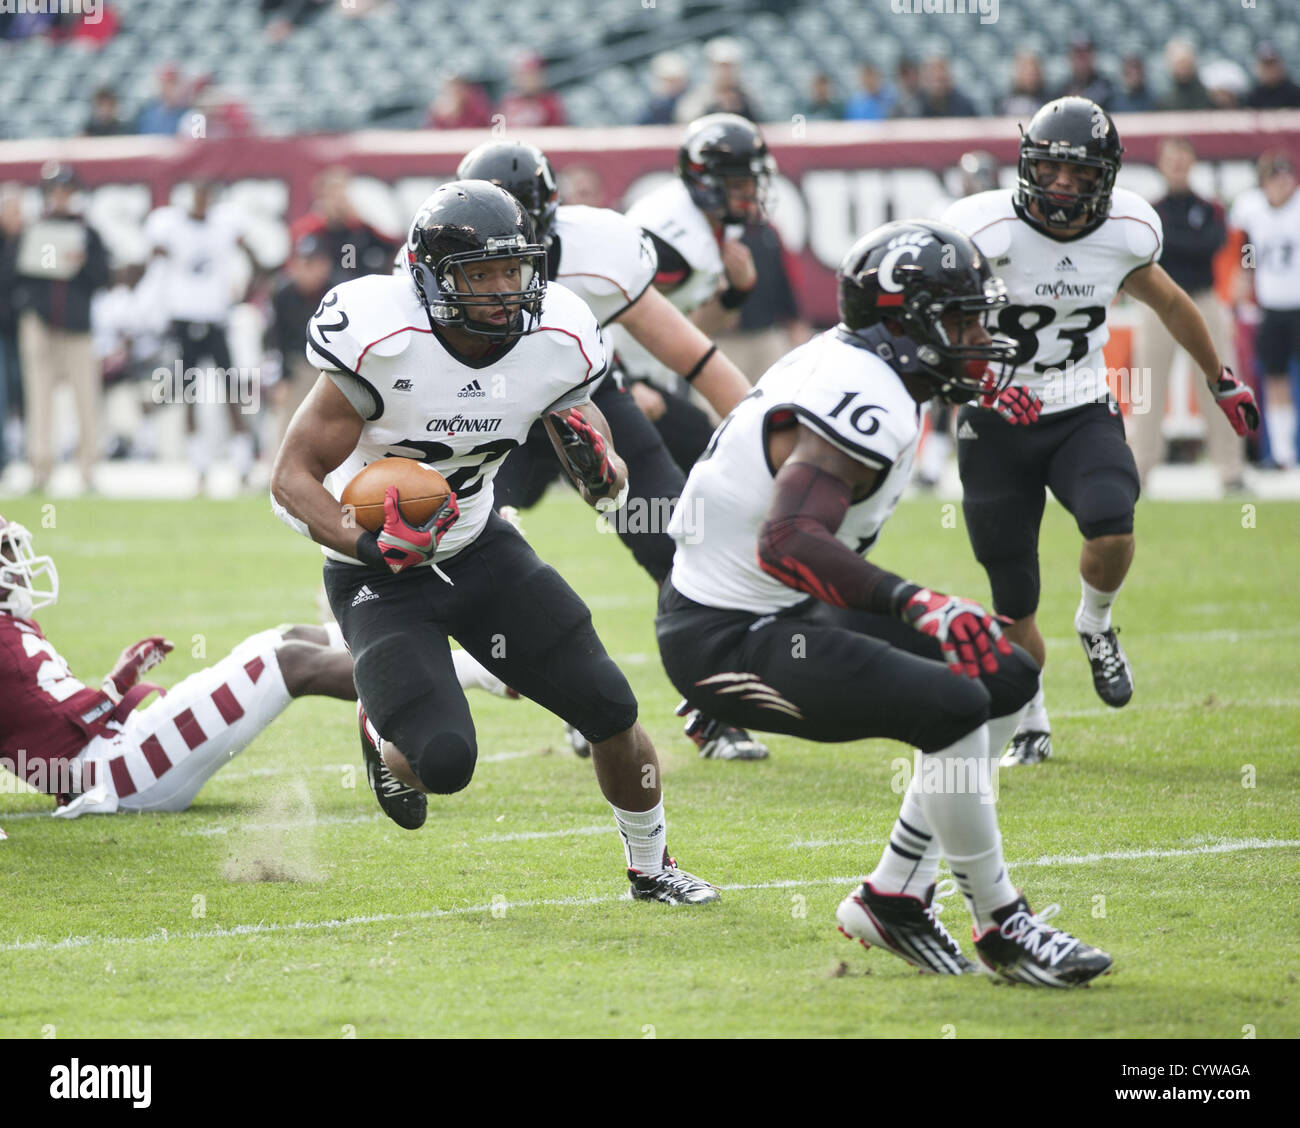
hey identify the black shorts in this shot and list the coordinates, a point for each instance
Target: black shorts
(1006, 470)
(507, 608)
(198, 341)
(827, 674)
(1277, 341)
(654, 480)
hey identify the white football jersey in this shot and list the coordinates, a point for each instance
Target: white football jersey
(848, 396)
(1059, 289)
(200, 263)
(604, 258)
(671, 214)
(1274, 233)
(462, 418)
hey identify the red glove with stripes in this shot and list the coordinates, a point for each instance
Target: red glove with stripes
(403, 545)
(1236, 401)
(969, 636)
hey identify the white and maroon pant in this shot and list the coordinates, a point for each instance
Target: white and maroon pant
(167, 751)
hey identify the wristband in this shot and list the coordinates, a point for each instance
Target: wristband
(731, 298)
(369, 554)
(903, 591)
(699, 364)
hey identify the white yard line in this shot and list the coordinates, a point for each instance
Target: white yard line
(263, 928)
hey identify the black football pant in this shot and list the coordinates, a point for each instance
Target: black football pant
(828, 674)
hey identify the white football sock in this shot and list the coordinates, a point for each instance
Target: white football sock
(911, 857)
(958, 803)
(1280, 420)
(1001, 729)
(199, 450)
(1034, 718)
(241, 453)
(643, 834)
(1094, 608)
(472, 674)
(334, 636)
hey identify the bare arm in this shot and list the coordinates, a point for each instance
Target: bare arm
(1150, 284)
(322, 433)
(674, 341)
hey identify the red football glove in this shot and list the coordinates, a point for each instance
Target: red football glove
(1236, 401)
(403, 546)
(969, 636)
(1016, 404)
(585, 451)
(135, 660)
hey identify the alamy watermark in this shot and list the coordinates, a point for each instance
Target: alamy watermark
(987, 10)
(93, 10)
(242, 386)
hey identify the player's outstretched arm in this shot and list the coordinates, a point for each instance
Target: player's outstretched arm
(322, 433)
(582, 440)
(674, 340)
(797, 545)
(1152, 285)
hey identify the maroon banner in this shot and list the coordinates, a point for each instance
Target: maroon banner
(836, 180)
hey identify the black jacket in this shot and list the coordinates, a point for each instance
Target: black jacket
(1194, 232)
(61, 304)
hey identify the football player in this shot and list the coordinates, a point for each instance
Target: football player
(1065, 241)
(775, 620)
(92, 747)
(695, 221)
(610, 263)
(401, 361)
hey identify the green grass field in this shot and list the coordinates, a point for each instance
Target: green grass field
(506, 914)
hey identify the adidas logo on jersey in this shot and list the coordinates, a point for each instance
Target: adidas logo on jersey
(472, 390)
(1066, 264)
(364, 595)
(966, 431)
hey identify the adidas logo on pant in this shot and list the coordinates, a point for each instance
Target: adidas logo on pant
(966, 431)
(364, 595)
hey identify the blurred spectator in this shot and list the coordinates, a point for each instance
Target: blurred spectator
(671, 79)
(1274, 89)
(1194, 230)
(872, 100)
(909, 100)
(1270, 217)
(285, 15)
(1028, 88)
(822, 103)
(770, 323)
(127, 325)
(103, 120)
(530, 104)
(163, 114)
(1226, 82)
(53, 270)
(305, 281)
(198, 246)
(978, 171)
(942, 99)
(723, 93)
(11, 376)
(355, 248)
(1133, 96)
(460, 104)
(582, 184)
(1085, 79)
(1186, 91)
(215, 115)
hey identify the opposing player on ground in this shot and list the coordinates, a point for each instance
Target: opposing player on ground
(774, 620)
(695, 221)
(1065, 241)
(610, 263)
(98, 752)
(398, 356)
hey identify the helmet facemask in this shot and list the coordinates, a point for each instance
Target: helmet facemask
(1090, 206)
(448, 294)
(20, 571)
(709, 188)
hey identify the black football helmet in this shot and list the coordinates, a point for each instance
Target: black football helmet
(911, 273)
(1074, 131)
(467, 222)
(722, 147)
(524, 172)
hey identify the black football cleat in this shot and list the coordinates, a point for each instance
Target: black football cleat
(580, 744)
(1112, 677)
(717, 741)
(1031, 747)
(905, 925)
(1022, 947)
(671, 886)
(407, 807)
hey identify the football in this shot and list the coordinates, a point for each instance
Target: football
(421, 491)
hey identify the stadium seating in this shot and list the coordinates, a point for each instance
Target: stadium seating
(342, 72)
